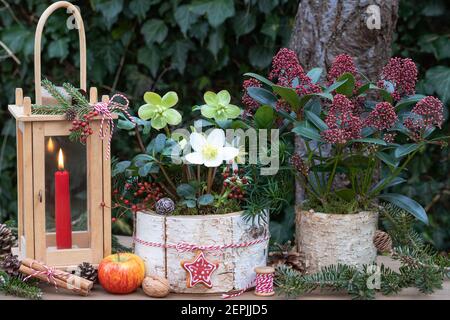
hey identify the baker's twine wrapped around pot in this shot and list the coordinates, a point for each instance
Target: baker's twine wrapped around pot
(382, 241)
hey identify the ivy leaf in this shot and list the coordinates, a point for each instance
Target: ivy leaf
(150, 57)
(439, 78)
(260, 56)
(215, 42)
(243, 23)
(140, 7)
(185, 17)
(110, 10)
(59, 48)
(179, 51)
(154, 30)
(217, 11)
(271, 26)
(266, 6)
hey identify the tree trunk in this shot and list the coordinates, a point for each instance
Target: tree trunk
(326, 28)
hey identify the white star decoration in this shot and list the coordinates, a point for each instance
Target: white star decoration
(199, 270)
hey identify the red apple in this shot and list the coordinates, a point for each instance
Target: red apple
(121, 273)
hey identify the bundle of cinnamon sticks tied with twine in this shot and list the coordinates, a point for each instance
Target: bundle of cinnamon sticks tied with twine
(60, 279)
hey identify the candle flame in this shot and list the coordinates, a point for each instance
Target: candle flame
(50, 145)
(60, 160)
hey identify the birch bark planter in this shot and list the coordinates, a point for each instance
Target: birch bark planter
(325, 239)
(154, 233)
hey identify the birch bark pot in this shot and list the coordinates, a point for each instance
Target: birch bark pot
(325, 239)
(236, 265)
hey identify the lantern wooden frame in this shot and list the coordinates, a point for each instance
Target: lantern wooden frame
(34, 242)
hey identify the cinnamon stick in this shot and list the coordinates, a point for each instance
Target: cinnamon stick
(72, 281)
(55, 281)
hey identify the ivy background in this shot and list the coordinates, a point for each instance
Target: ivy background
(197, 45)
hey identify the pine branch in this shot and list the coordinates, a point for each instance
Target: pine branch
(53, 90)
(82, 102)
(48, 110)
(16, 287)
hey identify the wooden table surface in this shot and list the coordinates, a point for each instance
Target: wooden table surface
(98, 293)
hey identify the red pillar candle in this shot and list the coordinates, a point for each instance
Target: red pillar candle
(63, 217)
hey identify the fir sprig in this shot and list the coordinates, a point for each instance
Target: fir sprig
(18, 288)
(53, 90)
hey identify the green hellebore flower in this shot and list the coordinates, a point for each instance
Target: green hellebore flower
(159, 109)
(218, 106)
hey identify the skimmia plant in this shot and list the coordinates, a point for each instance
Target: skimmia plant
(349, 128)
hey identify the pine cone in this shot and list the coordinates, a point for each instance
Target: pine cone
(11, 264)
(382, 241)
(6, 241)
(71, 114)
(287, 255)
(88, 271)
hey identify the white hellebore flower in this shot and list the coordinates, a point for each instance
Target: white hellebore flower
(210, 151)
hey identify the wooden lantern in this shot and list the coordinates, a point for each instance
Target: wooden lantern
(39, 138)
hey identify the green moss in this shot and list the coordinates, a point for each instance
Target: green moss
(334, 204)
(227, 207)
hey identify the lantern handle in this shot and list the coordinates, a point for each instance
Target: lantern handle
(37, 45)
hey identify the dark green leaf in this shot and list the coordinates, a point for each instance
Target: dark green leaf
(185, 17)
(262, 96)
(371, 140)
(314, 74)
(243, 23)
(260, 78)
(154, 30)
(307, 132)
(347, 87)
(264, 117)
(388, 159)
(260, 56)
(316, 120)
(335, 85)
(346, 194)
(405, 149)
(439, 78)
(407, 204)
(289, 95)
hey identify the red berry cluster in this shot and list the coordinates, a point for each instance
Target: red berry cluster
(143, 196)
(82, 126)
(236, 182)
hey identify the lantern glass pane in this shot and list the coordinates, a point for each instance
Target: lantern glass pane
(65, 170)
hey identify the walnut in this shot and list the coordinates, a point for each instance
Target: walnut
(156, 286)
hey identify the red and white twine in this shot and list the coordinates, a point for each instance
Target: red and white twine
(185, 247)
(263, 284)
(105, 110)
(50, 272)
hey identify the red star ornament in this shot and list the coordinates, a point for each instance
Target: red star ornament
(199, 270)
